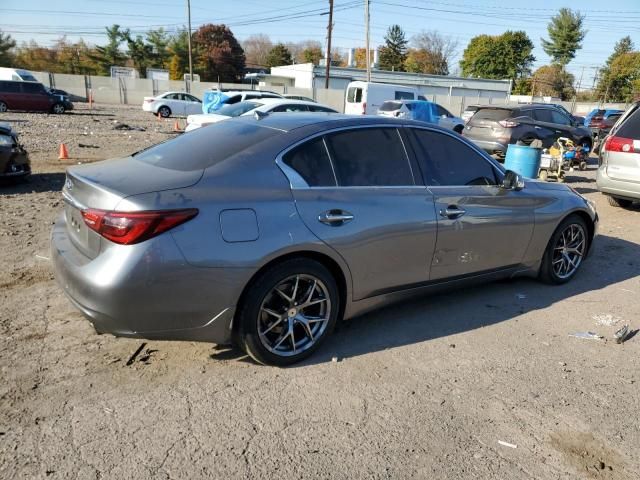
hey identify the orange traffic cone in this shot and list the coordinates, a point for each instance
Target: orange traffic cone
(64, 154)
(158, 116)
(176, 126)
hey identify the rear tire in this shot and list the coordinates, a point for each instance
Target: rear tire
(272, 318)
(619, 202)
(58, 108)
(3, 107)
(165, 112)
(571, 235)
(458, 129)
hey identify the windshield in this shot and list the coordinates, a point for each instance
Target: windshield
(26, 76)
(237, 109)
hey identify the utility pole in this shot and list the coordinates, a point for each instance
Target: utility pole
(366, 22)
(189, 43)
(575, 97)
(329, 31)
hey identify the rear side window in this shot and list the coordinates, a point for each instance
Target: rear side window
(206, 146)
(28, 87)
(314, 108)
(445, 160)
(492, 114)
(312, 163)
(560, 118)
(400, 95)
(390, 106)
(369, 157)
(10, 87)
(543, 115)
(354, 95)
(630, 127)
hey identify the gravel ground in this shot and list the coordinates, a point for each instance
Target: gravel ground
(427, 389)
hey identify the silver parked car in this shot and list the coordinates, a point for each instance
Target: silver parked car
(422, 110)
(619, 163)
(267, 231)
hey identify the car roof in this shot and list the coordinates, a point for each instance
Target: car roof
(281, 101)
(174, 91)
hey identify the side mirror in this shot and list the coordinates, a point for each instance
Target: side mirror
(512, 181)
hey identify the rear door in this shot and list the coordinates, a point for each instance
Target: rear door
(564, 124)
(545, 128)
(193, 106)
(354, 104)
(358, 192)
(623, 155)
(481, 226)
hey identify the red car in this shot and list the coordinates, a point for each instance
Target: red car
(30, 96)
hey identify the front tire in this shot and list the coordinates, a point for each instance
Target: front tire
(58, 109)
(287, 312)
(619, 202)
(565, 251)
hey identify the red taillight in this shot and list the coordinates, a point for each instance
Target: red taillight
(364, 108)
(618, 144)
(149, 100)
(508, 123)
(127, 228)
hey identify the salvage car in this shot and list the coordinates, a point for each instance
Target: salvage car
(14, 160)
(268, 231)
(422, 110)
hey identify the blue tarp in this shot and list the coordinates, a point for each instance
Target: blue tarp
(212, 101)
(423, 111)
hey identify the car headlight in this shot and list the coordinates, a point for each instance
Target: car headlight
(6, 141)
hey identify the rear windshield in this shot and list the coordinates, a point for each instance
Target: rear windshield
(494, 114)
(354, 95)
(390, 106)
(206, 146)
(630, 127)
(472, 108)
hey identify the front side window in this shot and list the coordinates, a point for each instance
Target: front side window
(559, 118)
(369, 157)
(311, 162)
(445, 160)
(354, 95)
(543, 115)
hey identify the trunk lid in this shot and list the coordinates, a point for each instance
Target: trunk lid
(103, 185)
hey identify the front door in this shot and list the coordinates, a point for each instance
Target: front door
(359, 193)
(481, 226)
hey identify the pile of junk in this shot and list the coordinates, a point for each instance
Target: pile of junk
(564, 155)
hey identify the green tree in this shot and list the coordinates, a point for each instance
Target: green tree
(394, 52)
(624, 77)
(500, 56)
(74, 58)
(7, 44)
(179, 50)
(140, 53)
(553, 81)
(566, 33)
(109, 55)
(219, 56)
(313, 55)
(159, 42)
(622, 46)
(279, 55)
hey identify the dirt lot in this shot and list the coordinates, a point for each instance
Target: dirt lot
(423, 390)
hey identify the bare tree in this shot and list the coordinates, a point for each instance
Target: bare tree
(256, 48)
(431, 52)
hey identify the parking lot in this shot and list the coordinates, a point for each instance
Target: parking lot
(478, 383)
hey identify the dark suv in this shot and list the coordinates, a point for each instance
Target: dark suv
(30, 96)
(493, 128)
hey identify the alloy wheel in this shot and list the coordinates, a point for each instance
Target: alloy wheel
(58, 109)
(569, 251)
(3, 107)
(294, 315)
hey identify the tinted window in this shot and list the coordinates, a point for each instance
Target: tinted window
(448, 161)
(630, 127)
(443, 111)
(28, 87)
(291, 108)
(494, 114)
(369, 157)
(526, 113)
(421, 97)
(207, 146)
(10, 87)
(312, 162)
(390, 106)
(560, 118)
(354, 95)
(237, 109)
(314, 108)
(234, 99)
(404, 95)
(543, 115)
(191, 98)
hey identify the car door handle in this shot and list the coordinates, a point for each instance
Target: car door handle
(452, 212)
(335, 218)
(537, 127)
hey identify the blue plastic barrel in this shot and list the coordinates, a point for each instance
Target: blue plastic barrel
(523, 160)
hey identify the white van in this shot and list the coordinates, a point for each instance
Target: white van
(16, 74)
(365, 98)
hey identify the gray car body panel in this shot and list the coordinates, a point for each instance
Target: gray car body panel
(186, 283)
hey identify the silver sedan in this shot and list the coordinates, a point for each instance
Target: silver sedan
(267, 231)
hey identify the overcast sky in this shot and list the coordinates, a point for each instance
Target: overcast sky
(293, 20)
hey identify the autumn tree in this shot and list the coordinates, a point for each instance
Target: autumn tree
(430, 53)
(7, 44)
(256, 49)
(32, 56)
(394, 52)
(498, 56)
(74, 58)
(554, 81)
(566, 33)
(109, 55)
(219, 55)
(622, 46)
(279, 55)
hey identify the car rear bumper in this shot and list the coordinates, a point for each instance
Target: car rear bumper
(490, 146)
(617, 188)
(147, 290)
(148, 107)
